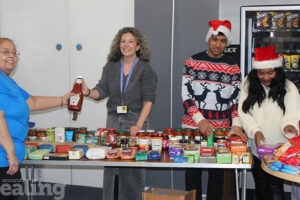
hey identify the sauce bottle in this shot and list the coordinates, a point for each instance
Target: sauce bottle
(75, 102)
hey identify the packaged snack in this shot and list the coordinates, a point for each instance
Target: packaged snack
(287, 61)
(295, 61)
(263, 20)
(292, 20)
(278, 20)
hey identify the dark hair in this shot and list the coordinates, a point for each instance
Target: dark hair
(144, 51)
(256, 92)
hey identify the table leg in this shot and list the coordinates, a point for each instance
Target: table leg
(31, 182)
(237, 184)
(26, 183)
(244, 177)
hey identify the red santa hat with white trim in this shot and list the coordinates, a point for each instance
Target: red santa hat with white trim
(266, 57)
(216, 26)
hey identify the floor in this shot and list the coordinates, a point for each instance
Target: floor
(79, 192)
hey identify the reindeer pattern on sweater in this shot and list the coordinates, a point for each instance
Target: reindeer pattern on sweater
(210, 90)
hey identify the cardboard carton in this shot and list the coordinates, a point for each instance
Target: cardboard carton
(168, 194)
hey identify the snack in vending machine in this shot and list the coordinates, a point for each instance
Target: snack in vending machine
(287, 61)
(263, 20)
(278, 20)
(295, 61)
(292, 20)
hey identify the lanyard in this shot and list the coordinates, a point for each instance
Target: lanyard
(128, 78)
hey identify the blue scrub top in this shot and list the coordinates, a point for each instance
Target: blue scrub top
(16, 113)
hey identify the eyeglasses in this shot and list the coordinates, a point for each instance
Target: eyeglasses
(7, 53)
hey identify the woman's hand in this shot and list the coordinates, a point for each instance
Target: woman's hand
(290, 131)
(134, 130)
(65, 98)
(259, 136)
(13, 164)
(85, 89)
(238, 131)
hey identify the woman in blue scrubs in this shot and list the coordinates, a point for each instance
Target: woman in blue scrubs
(15, 107)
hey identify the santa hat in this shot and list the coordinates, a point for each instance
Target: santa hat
(265, 58)
(217, 26)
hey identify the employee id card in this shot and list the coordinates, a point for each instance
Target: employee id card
(121, 109)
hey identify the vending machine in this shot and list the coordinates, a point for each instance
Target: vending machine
(277, 25)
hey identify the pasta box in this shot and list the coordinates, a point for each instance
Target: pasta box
(168, 194)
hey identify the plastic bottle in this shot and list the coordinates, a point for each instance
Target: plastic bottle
(165, 141)
(75, 102)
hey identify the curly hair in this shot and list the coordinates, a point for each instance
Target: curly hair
(257, 93)
(144, 51)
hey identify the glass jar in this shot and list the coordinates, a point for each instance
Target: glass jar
(42, 134)
(197, 136)
(159, 132)
(226, 132)
(140, 134)
(178, 133)
(169, 131)
(32, 134)
(50, 135)
(165, 141)
(218, 134)
(124, 143)
(131, 139)
(90, 137)
(81, 136)
(188, 134)
(103, 136)
(120, 135)
(112, 137)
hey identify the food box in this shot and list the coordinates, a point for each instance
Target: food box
(282, 149)
(38, 154)
(141, 155)
(191, 152)
(29, 149)
(207, 151)
(47, 146)
(168, 194)
(238, 148)
(241, 158)
(63, 148)
(224, 158)
(76, 154)
(56, 156)
(266, 149)
(207, 159)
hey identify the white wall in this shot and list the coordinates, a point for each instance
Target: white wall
(230, 9)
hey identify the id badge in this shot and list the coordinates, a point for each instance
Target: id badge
(121, 109)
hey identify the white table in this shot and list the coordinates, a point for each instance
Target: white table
(165, 162)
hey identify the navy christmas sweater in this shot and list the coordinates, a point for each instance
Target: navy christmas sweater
(210, 90)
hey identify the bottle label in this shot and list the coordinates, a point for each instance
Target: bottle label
(165, 143)
(74, 100)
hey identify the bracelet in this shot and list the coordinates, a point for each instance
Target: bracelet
(88, 94)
